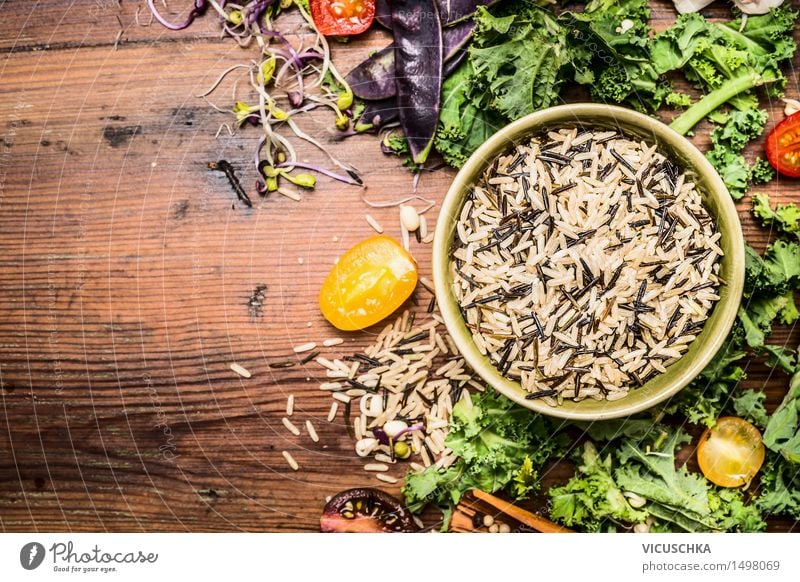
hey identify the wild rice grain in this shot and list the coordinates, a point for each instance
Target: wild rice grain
(289, 194)
(584, 263)
(325, 362)
(427, 283)
(399, 382)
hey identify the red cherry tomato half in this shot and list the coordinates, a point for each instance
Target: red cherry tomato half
(783, 146)
(342, 17)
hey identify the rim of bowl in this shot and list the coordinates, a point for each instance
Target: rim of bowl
(589, 114)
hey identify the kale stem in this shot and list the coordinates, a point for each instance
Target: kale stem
(752, 46)
(716, 98)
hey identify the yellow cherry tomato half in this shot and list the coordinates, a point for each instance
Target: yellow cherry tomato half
(368, 283)
(731, 452)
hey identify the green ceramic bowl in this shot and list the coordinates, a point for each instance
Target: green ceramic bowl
(715, 196)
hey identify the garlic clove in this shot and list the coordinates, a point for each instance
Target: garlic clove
(791, 106)
(757, 6)
(409, 218)
(394, 427)
(684, 6)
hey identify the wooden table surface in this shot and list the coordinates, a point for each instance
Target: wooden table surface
(126, 276)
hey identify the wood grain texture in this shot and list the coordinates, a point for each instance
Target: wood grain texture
(126, 271)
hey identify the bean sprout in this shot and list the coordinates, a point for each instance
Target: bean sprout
(302, 77)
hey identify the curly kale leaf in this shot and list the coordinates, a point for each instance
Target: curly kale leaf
(592, 499)
(728, 140)
(685, 500)
(780, 487)
(782, 434)
(780, 477)
(608, 44)
(784, 217)
(651, 473)
(749, 405)
(499, 445)
(728, 60)
(463, 125)
(514, 86)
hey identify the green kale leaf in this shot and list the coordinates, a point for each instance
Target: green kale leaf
(740, 128)
(761, 172)
(499, 445)
(608, 43)
(749, 404)
(463, 125)
(651, 473)
(780, 476)
(780, 487)
(782, 434)
(784, 217)
(592, 499)
(728, 60)
(728, 140)
(733, 169)
(686, 501)
(511, 84)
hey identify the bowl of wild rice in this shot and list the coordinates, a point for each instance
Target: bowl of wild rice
(588, 262)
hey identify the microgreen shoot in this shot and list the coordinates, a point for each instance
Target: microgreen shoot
(288, 78)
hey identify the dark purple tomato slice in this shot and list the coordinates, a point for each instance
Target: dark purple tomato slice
(365, 510)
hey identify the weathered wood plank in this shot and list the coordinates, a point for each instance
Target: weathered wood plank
(126, 273)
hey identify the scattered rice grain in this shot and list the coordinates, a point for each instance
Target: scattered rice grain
(290, 426)
(290, 405)
(290, 459)
(333, 411)
(312, 432)
(376, 226)
(241, 370)
(306, 347)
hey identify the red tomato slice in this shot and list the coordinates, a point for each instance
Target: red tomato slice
(783, 146)
(342, 17)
